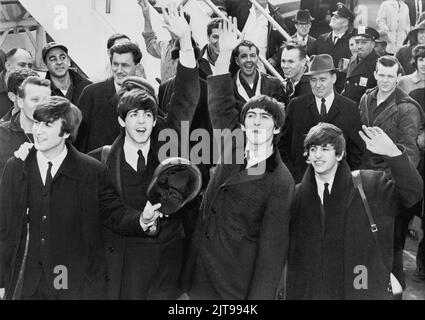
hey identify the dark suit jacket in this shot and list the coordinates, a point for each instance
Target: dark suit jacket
(310, 43)
(98, 104)
(412, 10)
(322, 266)
(302, 115)
(340, 50)
(354, 85)
(98, 203)
(240, 10)
(241, 238)
(5, 103)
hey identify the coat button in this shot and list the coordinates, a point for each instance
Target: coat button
(281, 295)
(111, 249)
(43, 240)
(44, 218)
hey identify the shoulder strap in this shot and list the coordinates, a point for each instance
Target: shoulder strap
(105, 154)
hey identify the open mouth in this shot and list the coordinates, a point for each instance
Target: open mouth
(141, 130)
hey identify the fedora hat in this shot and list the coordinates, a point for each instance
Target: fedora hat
(303, 16)
(383, 37)
(414, 31)
(321, 63)
(175, 182)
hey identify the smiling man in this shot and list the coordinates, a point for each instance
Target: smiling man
(64, 81)
(322, 105)
(330, 233)
(98, 101)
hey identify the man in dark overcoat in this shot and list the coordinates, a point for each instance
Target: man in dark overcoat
(241, 239)
(148, 267)
(323, 105)
(333, 253)
(360, 72)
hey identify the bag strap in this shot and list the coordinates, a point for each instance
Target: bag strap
(105, 154)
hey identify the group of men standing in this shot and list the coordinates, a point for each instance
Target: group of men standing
(91, 214)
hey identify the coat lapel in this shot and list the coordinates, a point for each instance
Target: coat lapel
(333, 111)
(313, 110)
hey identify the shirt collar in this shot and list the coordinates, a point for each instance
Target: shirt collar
(321, 186)
(131, 155)
(328, 101)
(56, 162)
(253, 159)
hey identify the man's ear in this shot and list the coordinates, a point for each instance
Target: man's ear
(237, 61)
(243, 127)
(20, 102)
(334, 78)
(276, 130)
(12, 97)
(121, 122)
(375, 74)
(340, 157)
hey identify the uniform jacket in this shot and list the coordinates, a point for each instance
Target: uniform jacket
(152, 255)
(78, 84)
(11, 138)
(360, 77)
(399, 116)
(395, 21)
(99, 203)
(240, 10)
(324, 45)
(241, 238)
(5, 103)
(99, 127)
(302, 115)
(323, 265)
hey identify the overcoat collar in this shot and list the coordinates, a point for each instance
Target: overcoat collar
(333, 111)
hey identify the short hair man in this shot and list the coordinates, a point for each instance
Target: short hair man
(303, 21)
(294, 65)
(360, 72)
(52, 207)
(241, 236)
(330, 233)
(14, 81)
(335, 43)
(322, 105)
(19, 129)
(65, 82)
(148, 267)
(211, 50)
(249, 81)
(98, 101)
(16, 58)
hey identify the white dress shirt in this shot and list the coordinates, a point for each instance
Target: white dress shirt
(131, 155)
(321, 186)
(255, 158)
(328, 102)
(43, 165)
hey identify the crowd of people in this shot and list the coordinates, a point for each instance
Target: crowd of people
(309, 196)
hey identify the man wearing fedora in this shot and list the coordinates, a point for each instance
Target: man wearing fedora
(241, 238)
(322, 105)
(64, 82)
(303, 21)
(148, 267)
(336, 42)
(381, 44)
(360, 73)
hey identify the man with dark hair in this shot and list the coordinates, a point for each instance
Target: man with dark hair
(240, 241)
(16, 58)
(334, 253)
(65, 82)
(294, 66)
(303, 21)
(98, 101)
(148, 268)
(248, 80)
(116, 38)
(324, 104)
(14, 81)
(19, 129)
(360, 72)
(401, 118)
(335, 43)
(52, 207)
(211, 50)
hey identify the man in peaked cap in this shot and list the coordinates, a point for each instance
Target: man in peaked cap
(336, 42)
(148, 267)
(322, 105)
(360, 73)
(303, 21)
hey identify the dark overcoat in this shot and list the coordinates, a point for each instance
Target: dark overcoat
(310, 43)
(360, 77)
(302, 115)
(341, 49)
(5, 102)
(327, 263)
(82, 251)
(241, 239)
(99, 127)
(158, 259)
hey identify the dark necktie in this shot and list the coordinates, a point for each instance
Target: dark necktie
(289, 88)
(325, 202)
(140, 162)
(323, 108)
(49, 177)
(335, 40)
